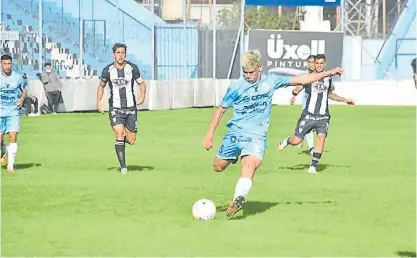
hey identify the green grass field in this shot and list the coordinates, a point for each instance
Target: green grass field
(68, 198)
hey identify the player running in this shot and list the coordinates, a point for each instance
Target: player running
(309, 137)
(121, 76)
(251, 98)
(13, 92)
(316, 114)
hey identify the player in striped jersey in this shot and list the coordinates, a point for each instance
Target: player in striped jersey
(316, 114)
(121, 76)
(309, 137)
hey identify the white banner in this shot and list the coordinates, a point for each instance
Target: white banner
(81, 95)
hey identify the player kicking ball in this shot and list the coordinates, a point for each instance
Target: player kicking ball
(121, 76)
(13, 92)
(315, 115)
(251, 98)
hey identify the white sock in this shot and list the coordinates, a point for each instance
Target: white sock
(243, 187)
(11, 153)
(310, 140)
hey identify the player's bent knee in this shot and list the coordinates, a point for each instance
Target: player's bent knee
(13, 136)
(131, 141)
(295, 140)
(321, 137)
(218, 168)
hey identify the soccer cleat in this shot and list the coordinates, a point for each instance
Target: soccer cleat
(11, 170)
(123, 171)
(4, 160)
(300, 145)
(235, 206)
(312, 170)
(311, 151)
(283, 144)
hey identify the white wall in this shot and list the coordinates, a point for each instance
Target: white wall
(80, 95)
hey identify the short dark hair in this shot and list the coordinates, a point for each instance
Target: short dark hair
(311, 57)
(6, 57)
(48, 64)
(119, 45)
(320, 56)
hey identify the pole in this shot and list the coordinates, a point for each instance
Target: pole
(153, 40)
(234, 53)
(210, 10)
(189, 9)
(62, 16)
(384, 18)
(118, 20)
(214, 39)
(342, 15)
(40, 36)
(242, 33)
(398, 7)
(80, 14)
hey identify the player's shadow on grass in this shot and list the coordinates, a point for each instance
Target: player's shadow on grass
(406, 253)
(321, 167)
(252, 208)
(26, 165)
(133, 168)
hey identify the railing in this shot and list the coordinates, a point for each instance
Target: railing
(397, 44)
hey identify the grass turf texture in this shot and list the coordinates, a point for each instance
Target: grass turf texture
(68, 198)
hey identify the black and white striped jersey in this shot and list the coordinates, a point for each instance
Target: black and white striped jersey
(121, 83)
(318, 97)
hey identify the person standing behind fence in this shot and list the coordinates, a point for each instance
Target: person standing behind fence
(53, 86)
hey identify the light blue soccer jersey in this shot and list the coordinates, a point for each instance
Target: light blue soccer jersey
(11, 87)
(252, 103)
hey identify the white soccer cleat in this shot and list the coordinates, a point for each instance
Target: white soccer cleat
(311, 151)
(283, 144)
(312, 170)
(300, 145)
(123, 171)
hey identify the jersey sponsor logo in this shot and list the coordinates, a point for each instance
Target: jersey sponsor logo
(319, 87)
(255, 97)
(120, 82)
(234, 139)
(256, 104)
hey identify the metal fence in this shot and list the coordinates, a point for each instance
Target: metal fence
(175, 40)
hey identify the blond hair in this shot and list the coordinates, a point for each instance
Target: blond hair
(251, 60)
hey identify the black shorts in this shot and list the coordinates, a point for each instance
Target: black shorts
(124, 116)
(308, 123)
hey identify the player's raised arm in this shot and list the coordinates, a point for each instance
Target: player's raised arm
(313, 77)
(227, 102)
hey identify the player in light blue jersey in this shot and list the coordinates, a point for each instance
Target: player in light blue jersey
(309, 137)
(13, 92)
(251, 98)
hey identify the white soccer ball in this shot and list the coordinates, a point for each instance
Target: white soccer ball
(204, 210)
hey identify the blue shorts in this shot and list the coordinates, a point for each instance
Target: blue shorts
(237, 144)
(10, 124)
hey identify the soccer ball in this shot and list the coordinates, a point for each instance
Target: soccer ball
(204, 210)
